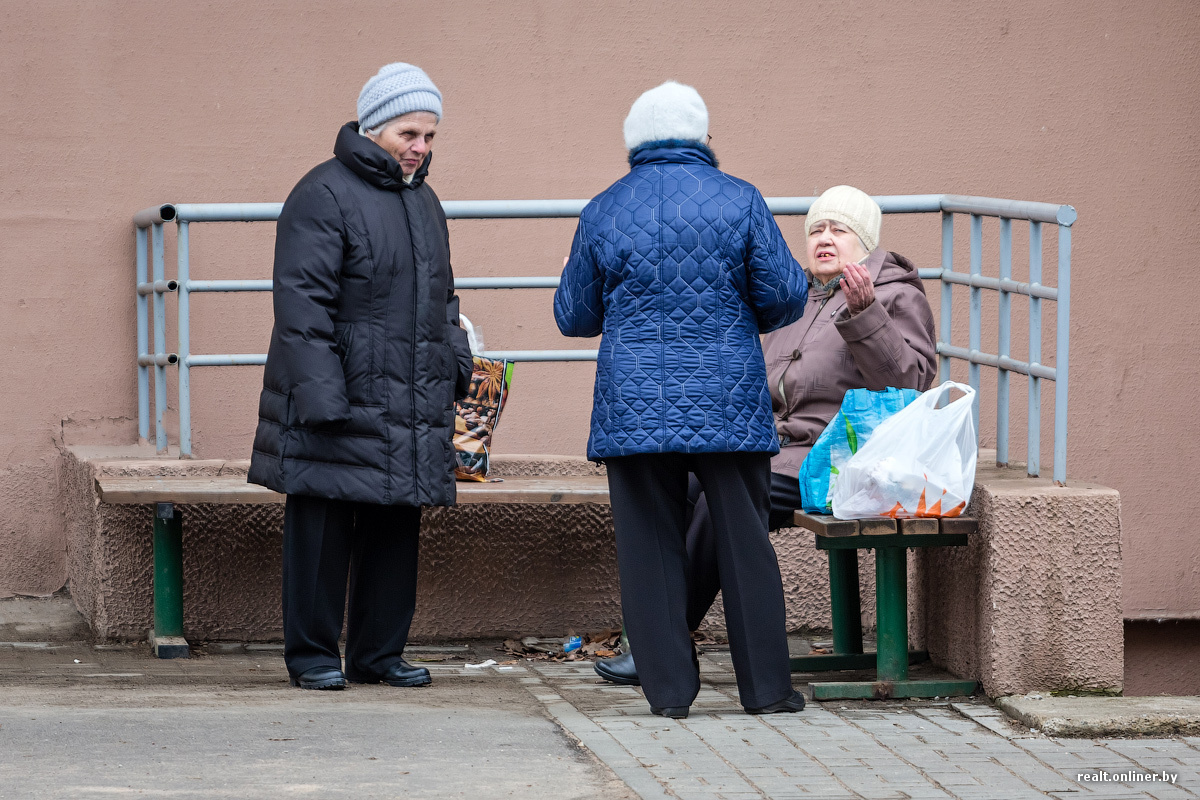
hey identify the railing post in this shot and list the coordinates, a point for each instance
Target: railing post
(1004, 344)
(185, 349)
(143, 338)
(947, 292)
(976, 320)
(160, 342)
(1062, 355)
(1033, 445)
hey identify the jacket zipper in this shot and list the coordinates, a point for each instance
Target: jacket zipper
(412, 361)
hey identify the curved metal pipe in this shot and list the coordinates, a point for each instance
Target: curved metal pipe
(160, 287)
(158, 360)
(542, 355)
(1013, 209)
(154, 215)
(230, 286)
(227, 212)
(525, 209)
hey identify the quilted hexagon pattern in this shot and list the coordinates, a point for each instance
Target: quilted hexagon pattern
(679, 267)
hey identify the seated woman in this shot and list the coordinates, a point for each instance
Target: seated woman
(867, 324)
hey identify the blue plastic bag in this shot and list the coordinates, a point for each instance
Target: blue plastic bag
(861, 412)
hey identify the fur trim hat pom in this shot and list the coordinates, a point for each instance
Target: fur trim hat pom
(669, 111)
(853, 208)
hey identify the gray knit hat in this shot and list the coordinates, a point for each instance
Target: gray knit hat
(397, 89)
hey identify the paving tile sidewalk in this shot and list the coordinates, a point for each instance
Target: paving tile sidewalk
(81, 722)
(920, 749)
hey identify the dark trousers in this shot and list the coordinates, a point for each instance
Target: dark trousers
(704, 578)
(649, 496)
(326, 542)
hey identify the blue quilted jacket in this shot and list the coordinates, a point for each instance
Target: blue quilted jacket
(680, 267)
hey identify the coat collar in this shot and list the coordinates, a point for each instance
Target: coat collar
(875, 263)
(672, 151)
(372, 163)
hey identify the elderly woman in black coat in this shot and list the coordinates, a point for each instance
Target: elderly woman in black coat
(357, 408)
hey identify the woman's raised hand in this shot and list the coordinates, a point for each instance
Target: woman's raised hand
(856, 285)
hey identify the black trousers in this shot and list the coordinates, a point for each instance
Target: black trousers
(326, 542)
(704, 578)
(649, 496)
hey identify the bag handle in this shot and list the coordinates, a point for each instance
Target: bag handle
(473, 338)
(932, 397)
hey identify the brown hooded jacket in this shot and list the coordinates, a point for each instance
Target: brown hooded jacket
(813, 362)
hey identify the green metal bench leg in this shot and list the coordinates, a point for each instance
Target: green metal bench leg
(891, 622)
(891, 613)
(166, 638)
(846, 609)
(844, 601)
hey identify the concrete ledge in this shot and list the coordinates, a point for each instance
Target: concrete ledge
(1105, 716)
(42, 619)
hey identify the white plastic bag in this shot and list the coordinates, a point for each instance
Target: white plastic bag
(474, 335)
(919, 462)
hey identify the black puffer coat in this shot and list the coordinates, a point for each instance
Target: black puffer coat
(366, 354)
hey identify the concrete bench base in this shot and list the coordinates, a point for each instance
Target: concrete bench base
(1033, 603)
(487, 570)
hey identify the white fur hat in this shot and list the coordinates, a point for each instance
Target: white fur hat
(669, 111)
(853, 208)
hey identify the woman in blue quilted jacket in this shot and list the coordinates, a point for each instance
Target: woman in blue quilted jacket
(680, 267)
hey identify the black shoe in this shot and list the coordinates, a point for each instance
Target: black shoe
(674, 712)
(401, 673)
(320, 678)
(786, 705)
(618, 669)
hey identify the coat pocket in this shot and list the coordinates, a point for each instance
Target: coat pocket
(354, 351)
(360, 441)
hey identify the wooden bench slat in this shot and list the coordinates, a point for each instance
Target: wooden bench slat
(142, 490)
(919, 527)
(566, 489)
(824, 525)
(959, 525)
(233, 489)
(877, 526)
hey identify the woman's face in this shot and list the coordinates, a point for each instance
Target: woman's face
(408, 139)
(831, 246)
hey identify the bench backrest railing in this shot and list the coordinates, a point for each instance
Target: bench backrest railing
(153, 288)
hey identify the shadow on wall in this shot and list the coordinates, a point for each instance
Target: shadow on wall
(1162, 657)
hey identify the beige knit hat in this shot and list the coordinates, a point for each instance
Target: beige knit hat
(853, 208)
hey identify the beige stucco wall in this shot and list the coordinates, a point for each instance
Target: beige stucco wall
(110, 107)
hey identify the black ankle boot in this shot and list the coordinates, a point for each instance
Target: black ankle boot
(618, 669)
(320, 678)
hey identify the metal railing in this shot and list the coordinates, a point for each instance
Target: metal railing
(152, 290)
